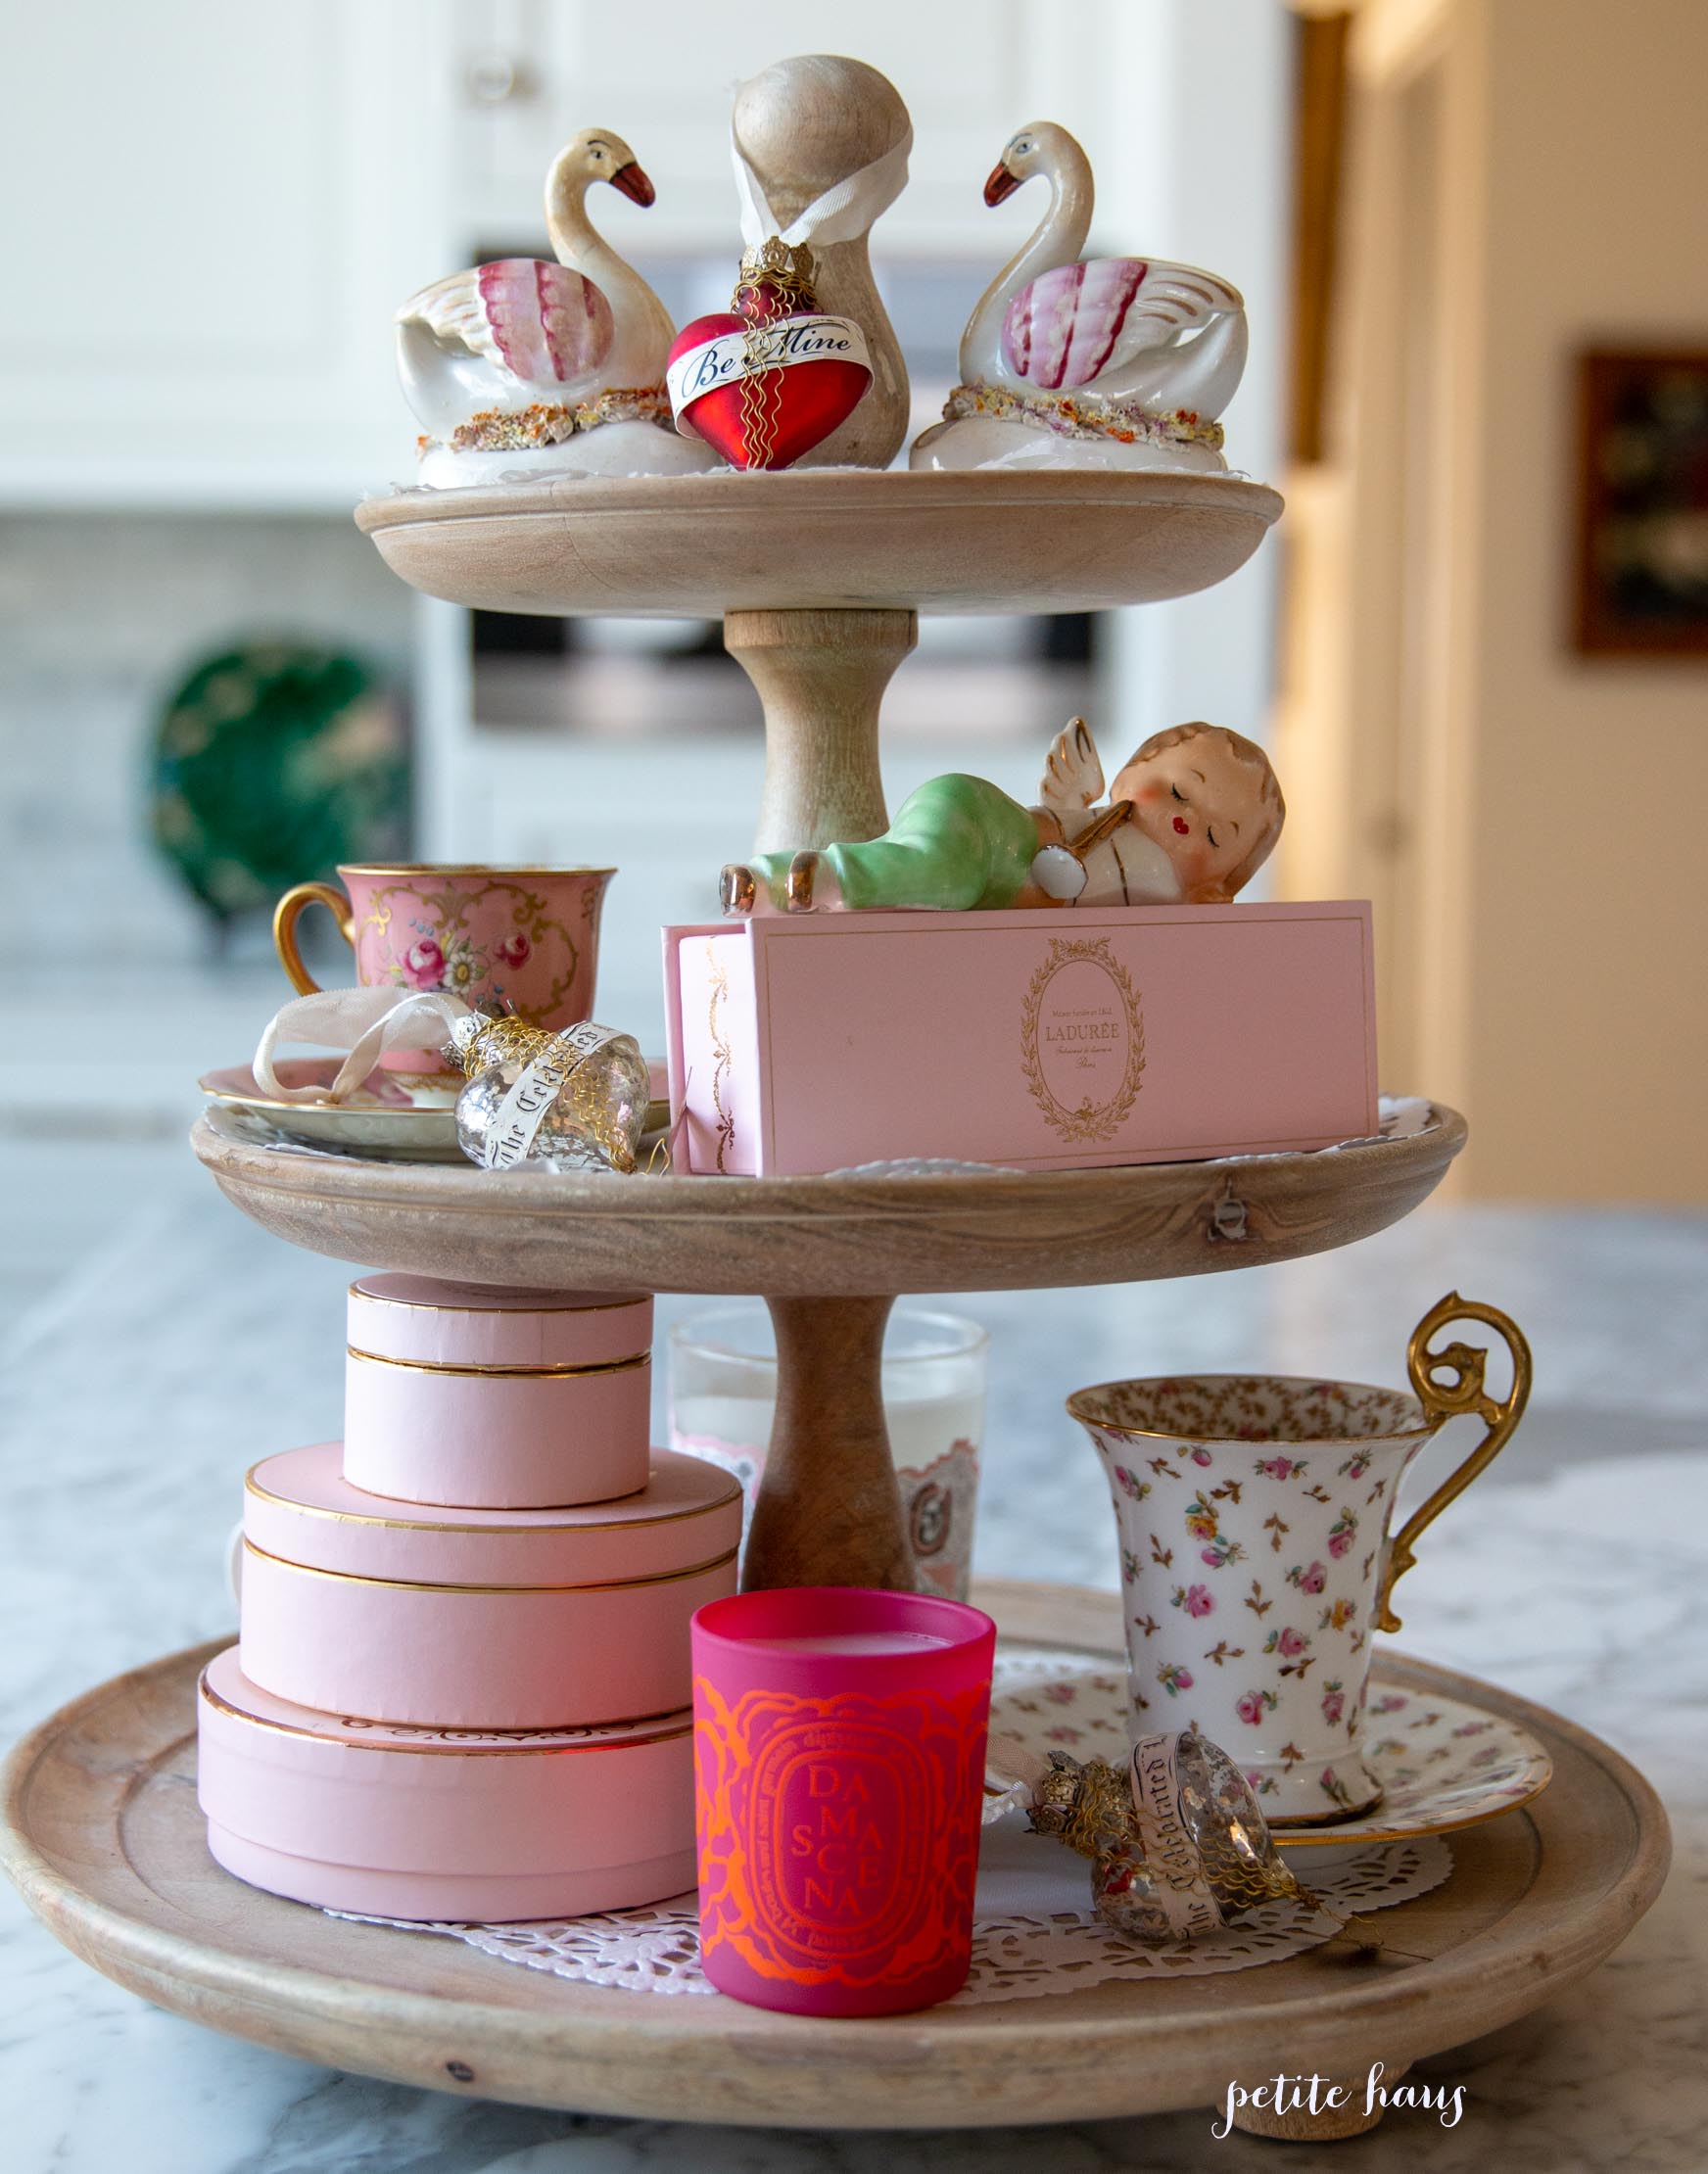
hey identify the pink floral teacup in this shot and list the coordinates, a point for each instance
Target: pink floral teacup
(1256, 1558)
(528, 936)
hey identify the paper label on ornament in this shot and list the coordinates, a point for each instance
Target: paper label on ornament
(734, 355)
(522, 1112)
(1173, 1859)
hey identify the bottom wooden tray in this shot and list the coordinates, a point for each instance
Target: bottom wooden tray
(100, 1830)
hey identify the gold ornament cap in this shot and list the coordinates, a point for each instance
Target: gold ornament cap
(790, 269)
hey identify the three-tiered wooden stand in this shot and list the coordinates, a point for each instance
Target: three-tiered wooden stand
(818, 577)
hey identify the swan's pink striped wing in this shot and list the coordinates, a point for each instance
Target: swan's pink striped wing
(1061, 330)
(1069, 326)
(546, 323)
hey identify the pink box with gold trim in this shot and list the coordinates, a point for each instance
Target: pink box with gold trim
(465, 1396)
(435, 1823)
(470, 1619)
(1039, 1039)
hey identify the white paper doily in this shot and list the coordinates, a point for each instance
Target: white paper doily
(1033, 1929)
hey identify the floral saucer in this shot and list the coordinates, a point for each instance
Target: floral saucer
(1443, 1762)
(380, 1121)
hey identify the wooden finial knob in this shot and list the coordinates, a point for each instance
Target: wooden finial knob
(803, 126)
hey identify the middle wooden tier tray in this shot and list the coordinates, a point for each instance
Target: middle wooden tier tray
(838, 1237)
(829, 1255)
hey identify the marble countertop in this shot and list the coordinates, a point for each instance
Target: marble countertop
(155, 1344)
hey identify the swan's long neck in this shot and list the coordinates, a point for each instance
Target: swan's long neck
(1058, 239)
(643, 329)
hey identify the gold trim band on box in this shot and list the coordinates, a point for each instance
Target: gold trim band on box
(251, 1485)
(422, 1584)
(432, 1305)
(449, 1751)
(513, 1373)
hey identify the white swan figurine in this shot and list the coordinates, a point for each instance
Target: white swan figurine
(523, 366)
(1121, 361)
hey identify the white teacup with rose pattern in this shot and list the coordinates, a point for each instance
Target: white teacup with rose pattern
(1256, 1559)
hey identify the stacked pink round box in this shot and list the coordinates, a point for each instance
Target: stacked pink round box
(462, 1689)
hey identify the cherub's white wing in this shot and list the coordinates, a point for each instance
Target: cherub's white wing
(1072, 774)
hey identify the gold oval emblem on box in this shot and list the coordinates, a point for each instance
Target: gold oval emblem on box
(1082, 1040)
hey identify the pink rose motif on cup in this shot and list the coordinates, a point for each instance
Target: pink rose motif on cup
(1130, 1485)
(1309, 1577)
(514, 949)
(1341, 1533)
(1334, 1701)
(1355, 1467)
(1289, 1643)
(1196, 1600)
(1200, 1456)
(1253, 1705)
(423, 964)
(1281, 1468)
(1174, 1678)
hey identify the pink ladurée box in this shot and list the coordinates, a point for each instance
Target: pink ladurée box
(1040, 1039)
(469, 1619)
(460, 1395)
(440, 1824)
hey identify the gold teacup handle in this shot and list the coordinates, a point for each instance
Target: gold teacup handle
(285, 916)
(1451, 1400)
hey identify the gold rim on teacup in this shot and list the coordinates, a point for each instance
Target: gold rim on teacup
(1078, 1408)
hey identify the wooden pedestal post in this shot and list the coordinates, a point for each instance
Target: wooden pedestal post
(830, 1511)
(821, 675)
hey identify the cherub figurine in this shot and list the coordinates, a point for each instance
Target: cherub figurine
(1191, 817)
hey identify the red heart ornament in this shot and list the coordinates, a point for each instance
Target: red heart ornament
(817, 386)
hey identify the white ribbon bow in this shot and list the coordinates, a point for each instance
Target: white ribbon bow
(844, 211)
(364, 1021)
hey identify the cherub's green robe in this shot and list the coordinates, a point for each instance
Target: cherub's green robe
(958, 843)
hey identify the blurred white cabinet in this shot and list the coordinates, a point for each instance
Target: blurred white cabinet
(211, 213)
(530, 73)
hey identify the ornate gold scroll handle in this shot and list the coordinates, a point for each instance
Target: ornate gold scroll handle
(285, 916)
(1449, 1399)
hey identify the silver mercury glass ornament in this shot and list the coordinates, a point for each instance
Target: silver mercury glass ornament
(576, 1098)
(1178, 1843)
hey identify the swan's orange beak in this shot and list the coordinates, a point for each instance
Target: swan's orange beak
(1001, 184)
(635, 185)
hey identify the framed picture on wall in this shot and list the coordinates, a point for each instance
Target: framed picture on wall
(1642, 504)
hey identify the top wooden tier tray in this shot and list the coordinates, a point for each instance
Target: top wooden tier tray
(823, 539)
(820, 575)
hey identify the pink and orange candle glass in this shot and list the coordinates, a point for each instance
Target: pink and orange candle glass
(840, 1741)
